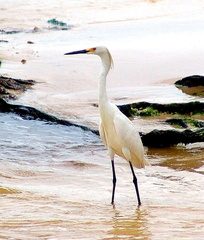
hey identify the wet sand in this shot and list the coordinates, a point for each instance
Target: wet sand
(56, 180)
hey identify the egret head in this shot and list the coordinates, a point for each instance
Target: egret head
(100, 51)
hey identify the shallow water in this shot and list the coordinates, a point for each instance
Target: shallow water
(56, 184)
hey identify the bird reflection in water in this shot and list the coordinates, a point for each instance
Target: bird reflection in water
(133, 226)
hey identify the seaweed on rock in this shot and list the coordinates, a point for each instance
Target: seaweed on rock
(139, 108)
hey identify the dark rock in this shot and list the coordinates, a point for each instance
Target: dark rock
(15, 84)
(166, 138)
(3, 41)
(191, 81)
(11, 87)
(30, 113)
(23, 61)
(3, 90)
(192, 85)
(177, 121)
(12, 32)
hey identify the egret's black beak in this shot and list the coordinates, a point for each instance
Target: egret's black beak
(88, 50)
(76, 52)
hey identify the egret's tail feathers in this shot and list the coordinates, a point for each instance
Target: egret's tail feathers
(140, 163)
(146, 163)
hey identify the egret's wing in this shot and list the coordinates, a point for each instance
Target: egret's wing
(126, 132)
(102, 134)
(129, 138)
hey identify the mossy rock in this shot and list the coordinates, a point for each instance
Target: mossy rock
(185, 122)
(54, 21)
(149, 112)
(152, 109)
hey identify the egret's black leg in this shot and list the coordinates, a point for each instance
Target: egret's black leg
(135, 183)
(114, 181)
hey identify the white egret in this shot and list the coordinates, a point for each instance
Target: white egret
(117, 132)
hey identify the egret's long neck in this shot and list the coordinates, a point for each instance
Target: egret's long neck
(106, 64)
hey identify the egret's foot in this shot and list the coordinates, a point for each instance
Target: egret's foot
(113, 204)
